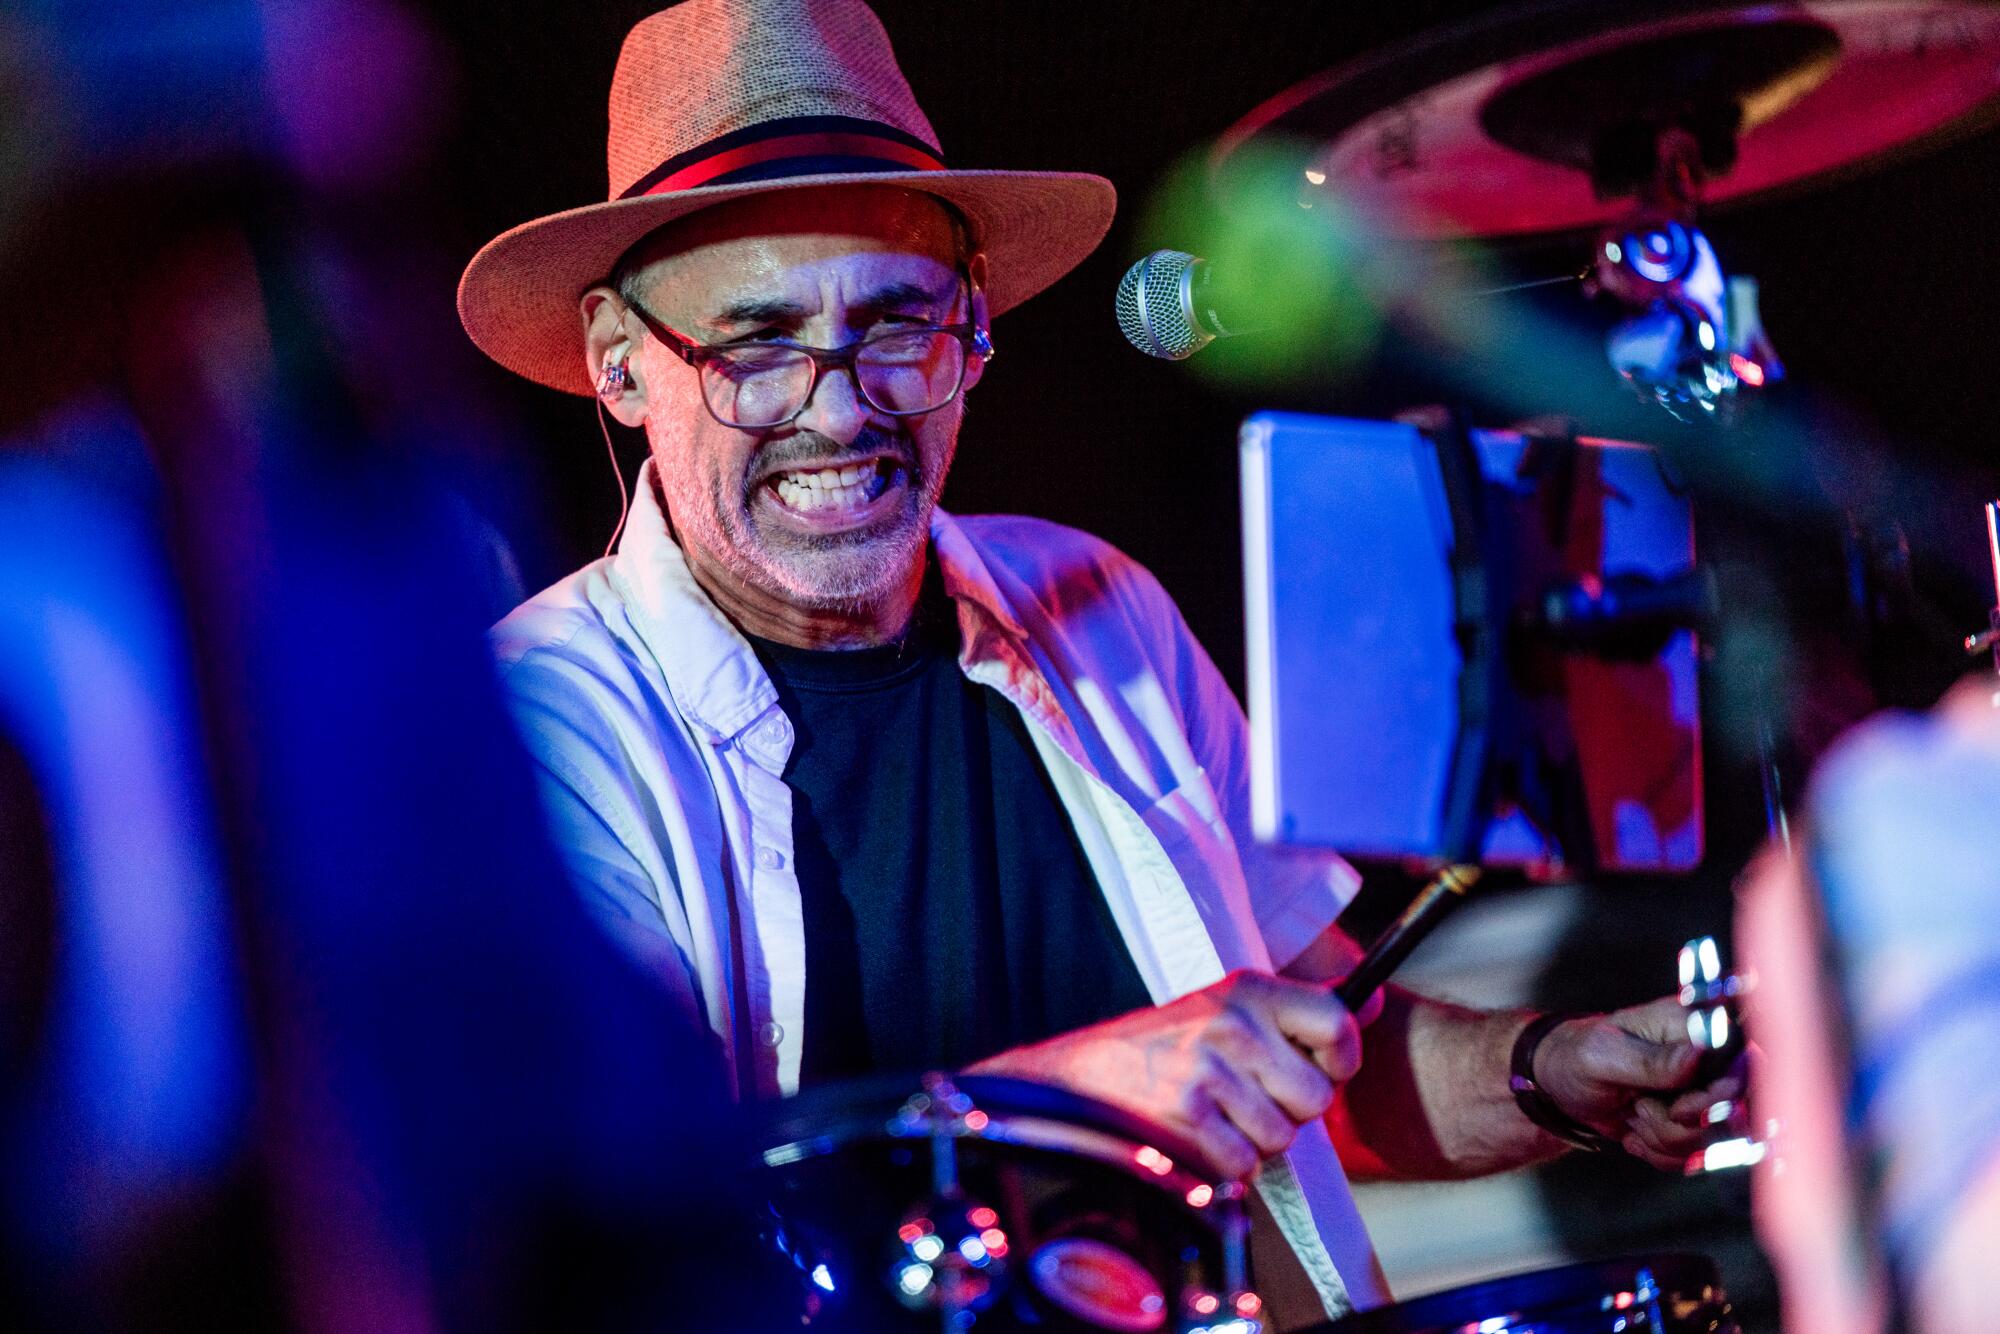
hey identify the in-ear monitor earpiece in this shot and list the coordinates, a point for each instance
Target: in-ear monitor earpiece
(612, 380)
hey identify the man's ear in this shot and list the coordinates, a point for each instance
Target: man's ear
(982, 318)
(608, 344)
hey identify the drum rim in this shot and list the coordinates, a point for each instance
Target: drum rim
(838, 1114)
(1504, 1293)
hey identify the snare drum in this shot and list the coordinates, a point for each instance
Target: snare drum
(1647, 1294)
(996, 1204)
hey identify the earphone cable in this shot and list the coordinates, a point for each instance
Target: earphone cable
(624, 495)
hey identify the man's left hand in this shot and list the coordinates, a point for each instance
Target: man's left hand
(1626, 1076)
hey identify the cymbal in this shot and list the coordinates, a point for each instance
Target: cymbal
(1544, 119)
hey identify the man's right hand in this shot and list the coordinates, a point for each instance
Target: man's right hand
(1236, 1067)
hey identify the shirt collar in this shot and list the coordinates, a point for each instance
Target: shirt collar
(710, 667)
(969, 582)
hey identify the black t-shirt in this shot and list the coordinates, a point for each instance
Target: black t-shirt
(949, 910)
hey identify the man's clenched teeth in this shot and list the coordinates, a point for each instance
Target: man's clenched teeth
(833, 489)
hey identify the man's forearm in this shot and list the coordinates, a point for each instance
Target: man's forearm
(1431, 1101)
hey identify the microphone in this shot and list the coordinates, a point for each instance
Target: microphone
(1169, 306)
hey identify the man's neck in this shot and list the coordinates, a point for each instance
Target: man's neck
(765, 615)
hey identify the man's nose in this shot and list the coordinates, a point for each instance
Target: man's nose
(836, 408)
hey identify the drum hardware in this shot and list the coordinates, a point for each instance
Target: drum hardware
(1712, 998)
(1626, 615)
(1652, 1294)
(1618, 120)
(980, 1203)
(952, 1265)
(1694, 338)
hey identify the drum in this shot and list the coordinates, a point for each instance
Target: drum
(1647, 1294)
(995, 1204)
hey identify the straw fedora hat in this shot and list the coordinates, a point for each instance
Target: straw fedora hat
(714, 100)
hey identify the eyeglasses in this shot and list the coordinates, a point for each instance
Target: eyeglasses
(756, 386)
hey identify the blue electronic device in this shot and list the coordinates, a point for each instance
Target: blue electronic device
(1471, 645)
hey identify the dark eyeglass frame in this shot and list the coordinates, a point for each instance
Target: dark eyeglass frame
(971, 336)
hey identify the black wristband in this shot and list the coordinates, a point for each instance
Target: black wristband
(1534, 1101)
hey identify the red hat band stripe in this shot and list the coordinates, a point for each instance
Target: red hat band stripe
(799, 146)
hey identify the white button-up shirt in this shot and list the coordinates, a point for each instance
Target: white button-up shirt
(661, 748)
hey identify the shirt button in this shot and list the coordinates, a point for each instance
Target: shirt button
(770, 858)
(772, 1034)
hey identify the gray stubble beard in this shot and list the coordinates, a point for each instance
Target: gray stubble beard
(864, 580)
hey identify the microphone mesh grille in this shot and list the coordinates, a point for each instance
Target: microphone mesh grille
(1150, 310)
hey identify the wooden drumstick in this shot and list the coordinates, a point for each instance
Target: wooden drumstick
(1431, 906)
